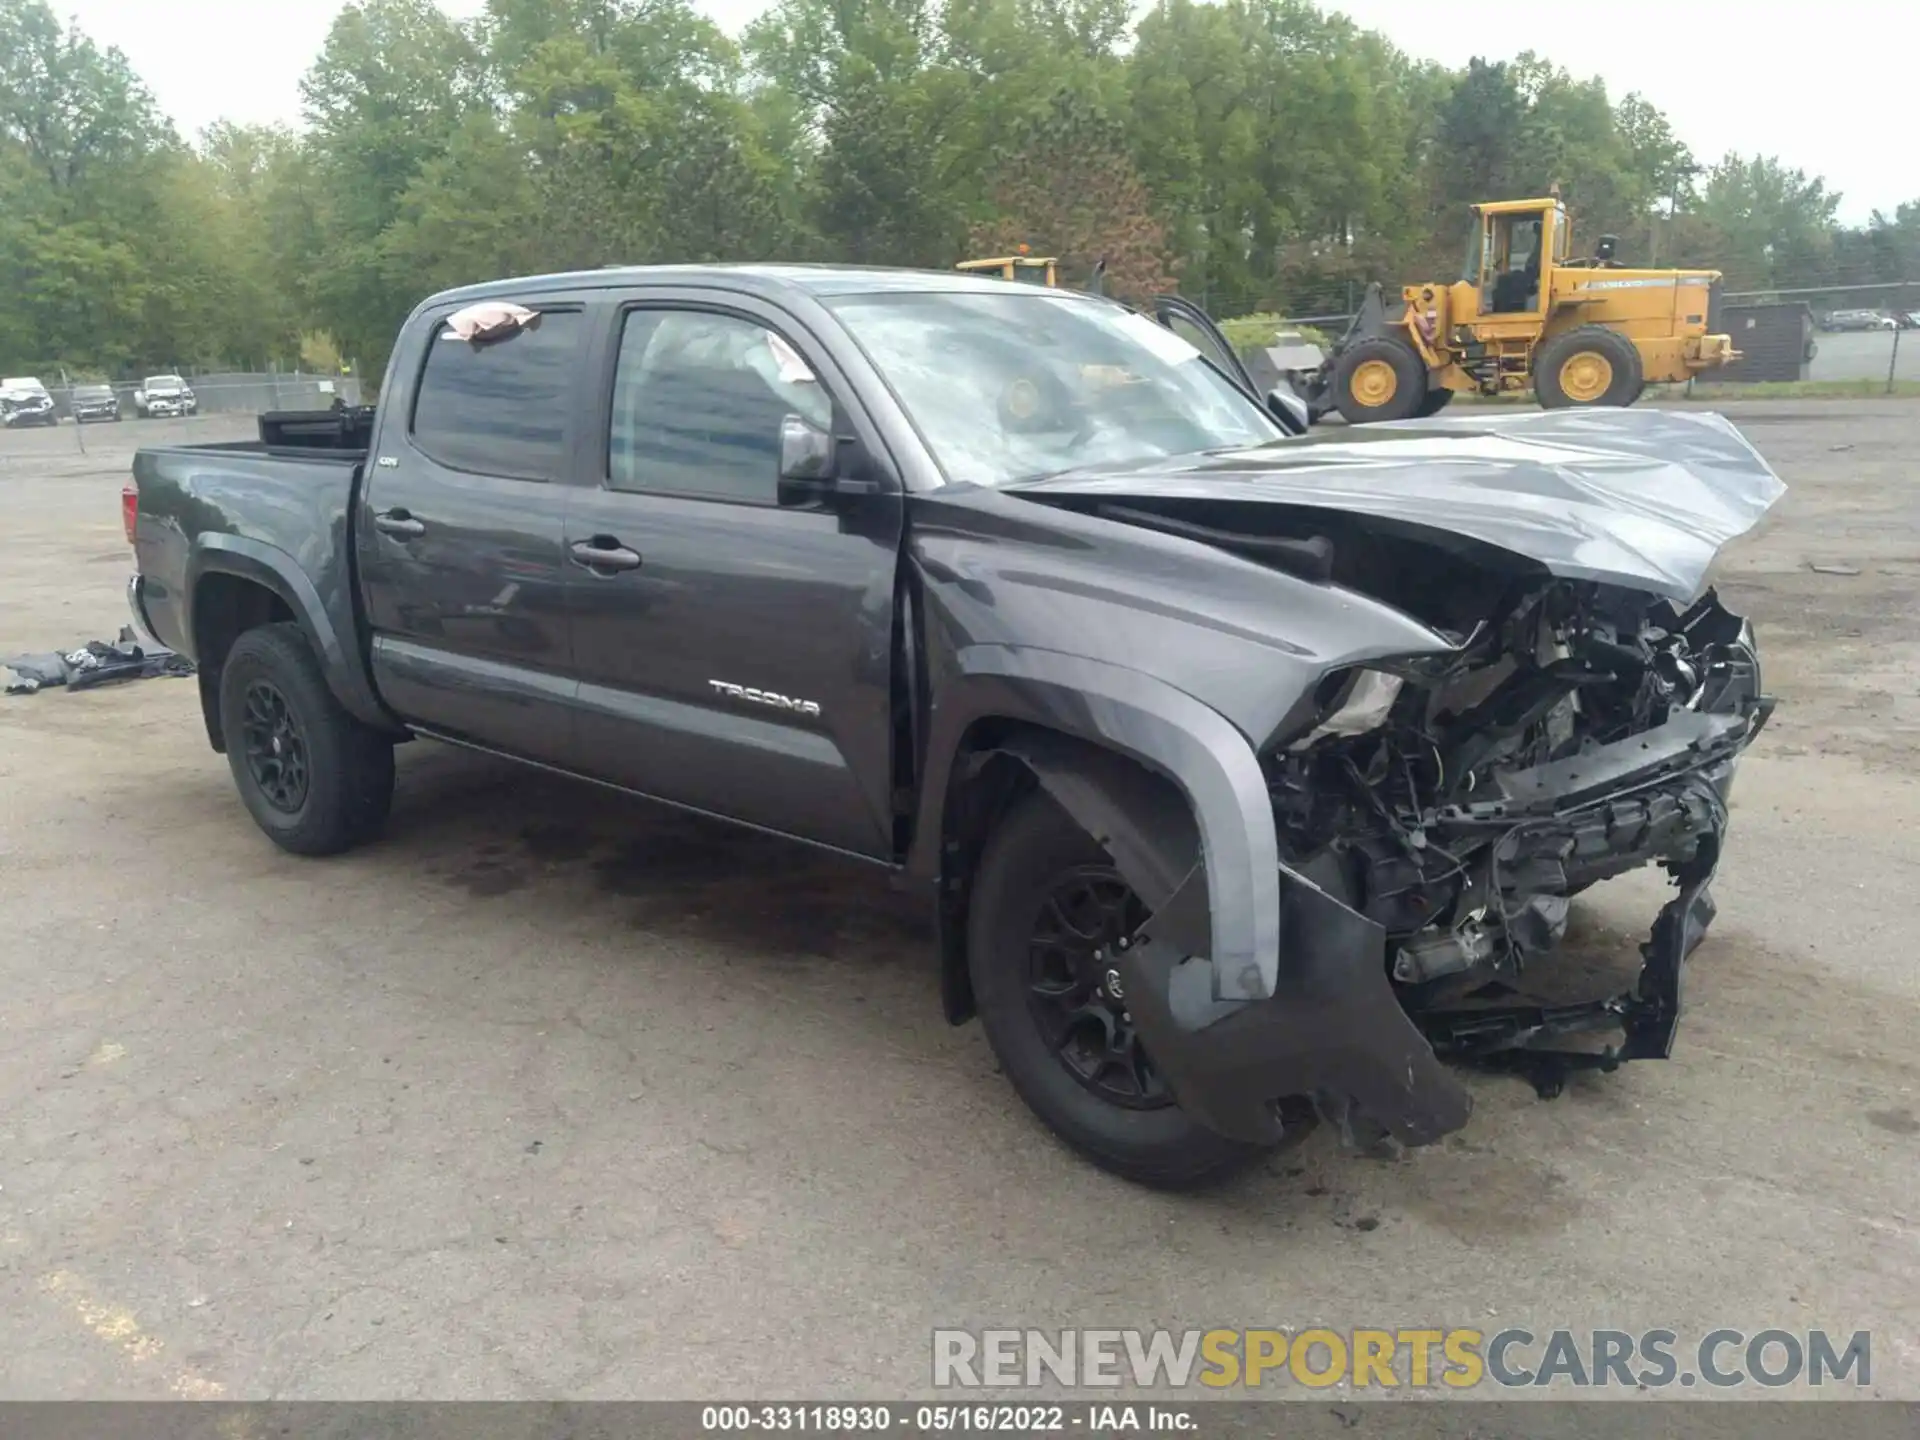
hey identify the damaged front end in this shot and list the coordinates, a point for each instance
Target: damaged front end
(1435, 816)
(1586, 732)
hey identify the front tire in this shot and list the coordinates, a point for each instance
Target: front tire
(315, 779)
(1378, 378)
(1034, 954)
(1588, 367)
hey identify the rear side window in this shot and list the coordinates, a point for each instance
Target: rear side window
(500, 408)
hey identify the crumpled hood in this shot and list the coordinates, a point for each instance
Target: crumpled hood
(1640, 498)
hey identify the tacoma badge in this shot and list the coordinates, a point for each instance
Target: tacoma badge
(764, 697)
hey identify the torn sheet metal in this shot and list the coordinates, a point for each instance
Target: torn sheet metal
(1639, 498)
(1332, 1029)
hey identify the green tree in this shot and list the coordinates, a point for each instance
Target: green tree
(74, 109)
(1272, 156)
(1068, 188)
(1765, 226)
(395, 84)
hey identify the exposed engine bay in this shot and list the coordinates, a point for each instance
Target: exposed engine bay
(1584, 731)
(1534, 691)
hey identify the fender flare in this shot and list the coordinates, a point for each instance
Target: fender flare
(276, 570)
(1148, 721)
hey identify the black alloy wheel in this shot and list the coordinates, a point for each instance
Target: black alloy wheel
(276, 748)
(1046, 913)
(1074, 990)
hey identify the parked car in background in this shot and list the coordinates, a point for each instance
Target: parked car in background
(94, 402)
(25, 401)
(1859, 320)
(163, 397)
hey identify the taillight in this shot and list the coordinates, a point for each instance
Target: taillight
(129, 510)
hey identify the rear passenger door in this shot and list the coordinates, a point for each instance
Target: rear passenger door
(735, 652)
(461, 527)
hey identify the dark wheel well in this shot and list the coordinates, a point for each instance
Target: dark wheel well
(225, 607)
(987, 781)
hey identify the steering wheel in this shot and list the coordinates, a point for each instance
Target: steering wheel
(1039, 401)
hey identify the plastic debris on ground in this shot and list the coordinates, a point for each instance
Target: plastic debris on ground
(95, 663)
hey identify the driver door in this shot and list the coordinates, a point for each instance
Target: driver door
(1196, 327)
(1513, 284)
(733, 647)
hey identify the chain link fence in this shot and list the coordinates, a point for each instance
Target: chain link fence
(1839, 335)
(226, 392)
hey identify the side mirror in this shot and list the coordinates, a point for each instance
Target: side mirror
(1289, 410)
(807, 453)
(810, 465)
(815, 463)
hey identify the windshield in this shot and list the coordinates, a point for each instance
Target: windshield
(1470, 268)
(1012, 386)
(22, 382)
(165, 382)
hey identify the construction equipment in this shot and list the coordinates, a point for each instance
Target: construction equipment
(1580, 331)
(1023, 267)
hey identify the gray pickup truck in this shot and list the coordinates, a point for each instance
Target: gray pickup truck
(1249, 772)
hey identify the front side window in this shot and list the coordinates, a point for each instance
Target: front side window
(1476, 240)
(500, 408)
(698, 401)
(1011, 385)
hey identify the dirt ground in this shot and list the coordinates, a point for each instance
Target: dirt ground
(549, 1093)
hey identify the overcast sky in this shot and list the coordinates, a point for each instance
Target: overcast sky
(1824, 87)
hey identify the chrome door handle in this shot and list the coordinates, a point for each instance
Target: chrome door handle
(603, 552)
(399, 523)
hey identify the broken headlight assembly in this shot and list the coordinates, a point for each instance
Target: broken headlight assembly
(1362, 701)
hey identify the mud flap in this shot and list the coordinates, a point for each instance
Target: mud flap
(1333, 1029)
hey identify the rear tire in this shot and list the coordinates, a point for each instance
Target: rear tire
(1437, 400)
(1036, 848)
(315, 779)
(1588, 367)
(1378, 378)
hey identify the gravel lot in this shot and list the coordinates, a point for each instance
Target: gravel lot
(550, 1094)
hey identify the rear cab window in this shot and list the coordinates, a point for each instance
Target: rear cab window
(501, 407)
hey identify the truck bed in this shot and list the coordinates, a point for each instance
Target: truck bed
(274, 513)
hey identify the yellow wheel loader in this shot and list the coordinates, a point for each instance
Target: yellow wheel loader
(1524, 313)
(1029, 269)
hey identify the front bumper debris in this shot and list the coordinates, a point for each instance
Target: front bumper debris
(1332, 1031)
(1335, 1030)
